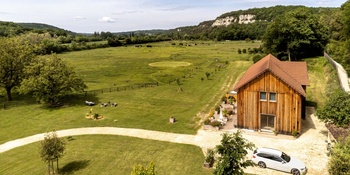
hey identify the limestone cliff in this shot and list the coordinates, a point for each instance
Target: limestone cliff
(241, 19)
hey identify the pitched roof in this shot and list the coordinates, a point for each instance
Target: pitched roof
(293, 74)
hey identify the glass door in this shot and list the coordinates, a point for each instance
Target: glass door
(267, 122)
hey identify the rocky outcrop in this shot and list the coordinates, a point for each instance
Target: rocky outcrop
(242, 19)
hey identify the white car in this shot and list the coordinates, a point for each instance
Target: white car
(275, 159)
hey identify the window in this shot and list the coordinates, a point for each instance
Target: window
(263, 96)
(272, 96)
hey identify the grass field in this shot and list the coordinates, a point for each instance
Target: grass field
(145, 108)
(103, 154)
(323, 81)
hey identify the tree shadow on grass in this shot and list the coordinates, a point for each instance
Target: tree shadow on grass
(72, 100)
(74, 166)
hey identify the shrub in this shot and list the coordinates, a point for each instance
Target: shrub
(211, 113)
(295, 134)
(96, 116)
(216, 124)
(257, 58)
(207, 122)
(217, 108)
(209, 158)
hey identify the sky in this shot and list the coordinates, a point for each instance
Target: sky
(88, 16)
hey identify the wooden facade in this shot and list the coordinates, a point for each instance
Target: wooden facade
(286, 109)
(267, 102)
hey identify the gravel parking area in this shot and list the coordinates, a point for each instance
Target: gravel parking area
(310, 147)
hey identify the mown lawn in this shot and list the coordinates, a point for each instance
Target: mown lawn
(104, 154)
(146, 108)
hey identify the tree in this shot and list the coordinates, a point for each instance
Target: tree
(207, 74)
(296, 34)
(336, 109)
(340, 160)
(140, 170)
(49, 79)
(345, 18)
(233, 151)
(51, 149)
(15, 54)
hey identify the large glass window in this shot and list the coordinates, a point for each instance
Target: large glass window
(272, 96)
(263, 96)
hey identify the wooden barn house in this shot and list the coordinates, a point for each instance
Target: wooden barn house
(271, 96)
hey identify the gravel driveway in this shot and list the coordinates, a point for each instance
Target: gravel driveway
(310, 147)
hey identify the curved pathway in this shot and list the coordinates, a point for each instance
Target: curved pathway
(203, 139)
(309, 147)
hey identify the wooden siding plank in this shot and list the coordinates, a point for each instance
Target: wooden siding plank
(287, 107)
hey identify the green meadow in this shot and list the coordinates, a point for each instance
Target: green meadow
(184, 91)
(144, 107)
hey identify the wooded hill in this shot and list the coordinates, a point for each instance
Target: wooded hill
(13, 29)
(253, 27)
(243, 24)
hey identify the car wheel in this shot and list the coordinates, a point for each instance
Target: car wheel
(295, 172)
(261, 164)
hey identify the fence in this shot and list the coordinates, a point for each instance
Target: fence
(30, 101)
(342, 75)
(120, 88)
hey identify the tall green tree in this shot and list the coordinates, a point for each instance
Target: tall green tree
(15, 55)
(51, 149)
(49, 79)
(345, 18)
(336, 110)
(340, 159)
(232, 154)
(296, 34)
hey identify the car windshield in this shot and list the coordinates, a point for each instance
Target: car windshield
(285, 157)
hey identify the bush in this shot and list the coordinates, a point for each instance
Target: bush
(96, 116)
(207, 121)
(209, 158)
(257, 58)
(211, 113)
(295, 134)
(217, 108)
(216, 124)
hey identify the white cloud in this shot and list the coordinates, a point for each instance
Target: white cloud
(107, 19)
(78, 18)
